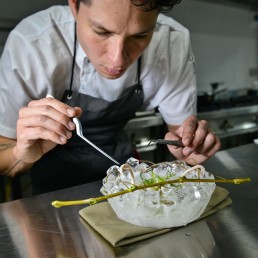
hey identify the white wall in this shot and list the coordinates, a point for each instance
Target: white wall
(225, 42)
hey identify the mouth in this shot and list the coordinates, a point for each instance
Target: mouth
(114, 72)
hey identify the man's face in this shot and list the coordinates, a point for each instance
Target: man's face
(113, 34)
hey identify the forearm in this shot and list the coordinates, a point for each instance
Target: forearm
(10, 164)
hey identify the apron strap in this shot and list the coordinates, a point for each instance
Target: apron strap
(70, 92)
(139, 70)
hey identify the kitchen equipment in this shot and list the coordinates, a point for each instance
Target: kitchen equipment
(207, 98)
(234, 126)
(252, 92)
(145, 126)
(166, 142)
(80, 134)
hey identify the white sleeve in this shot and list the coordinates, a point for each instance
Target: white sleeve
(14, 72)
(32, 65)
(180, 97)
(175, 79)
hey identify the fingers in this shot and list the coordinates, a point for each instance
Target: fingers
(28, 137)
(40, 127)
(47, 119)
(197, 138)
(210, 145)
(60, 106)
(55, 104)
(45, 116)
(187, 130)
(193, 132)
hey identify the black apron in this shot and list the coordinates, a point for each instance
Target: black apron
(77, 162)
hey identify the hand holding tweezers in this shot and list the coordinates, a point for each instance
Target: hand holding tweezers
(166, 142)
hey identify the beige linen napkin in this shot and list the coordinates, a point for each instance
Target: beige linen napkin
(102, 218)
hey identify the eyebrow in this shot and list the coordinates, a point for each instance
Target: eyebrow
(98, 26)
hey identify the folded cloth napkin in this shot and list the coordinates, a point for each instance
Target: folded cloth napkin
(102, 218)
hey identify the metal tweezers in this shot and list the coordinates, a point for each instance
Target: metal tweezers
(166, 142)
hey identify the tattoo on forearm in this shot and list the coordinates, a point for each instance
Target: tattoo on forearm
(11, 168)
(6, 146)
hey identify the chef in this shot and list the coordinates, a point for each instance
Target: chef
(102, 61)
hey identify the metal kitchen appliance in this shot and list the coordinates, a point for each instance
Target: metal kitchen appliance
(235, 126)
(145, 127)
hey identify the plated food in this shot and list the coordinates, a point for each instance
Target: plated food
(168, 200)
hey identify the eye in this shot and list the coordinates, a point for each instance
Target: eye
(143, 36)
(102, 33)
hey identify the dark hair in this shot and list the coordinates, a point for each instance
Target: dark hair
(145, 5)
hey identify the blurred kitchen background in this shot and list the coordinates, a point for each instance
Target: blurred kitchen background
(224, 35)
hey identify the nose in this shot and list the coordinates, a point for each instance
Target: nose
(118, 53)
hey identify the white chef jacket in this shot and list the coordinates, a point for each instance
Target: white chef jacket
(37, 61)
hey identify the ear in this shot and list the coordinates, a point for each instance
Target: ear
(72, 5)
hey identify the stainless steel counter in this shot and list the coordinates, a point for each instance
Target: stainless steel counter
(31, 227)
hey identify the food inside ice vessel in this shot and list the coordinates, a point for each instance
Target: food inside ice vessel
(170, 205)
